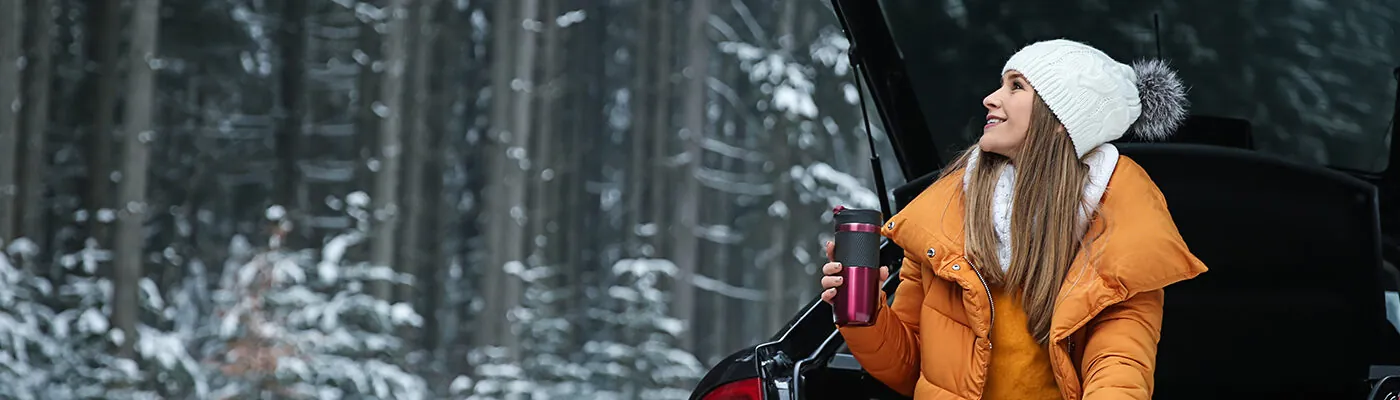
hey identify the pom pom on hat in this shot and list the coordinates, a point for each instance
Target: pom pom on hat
(1099, 99)
(1163, 99)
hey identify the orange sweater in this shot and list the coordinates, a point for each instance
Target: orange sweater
(1020, 367)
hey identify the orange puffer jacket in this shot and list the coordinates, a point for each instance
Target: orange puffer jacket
(932, 341)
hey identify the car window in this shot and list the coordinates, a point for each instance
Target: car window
(1314, 78)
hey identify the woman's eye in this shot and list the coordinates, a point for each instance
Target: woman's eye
(1016, 85)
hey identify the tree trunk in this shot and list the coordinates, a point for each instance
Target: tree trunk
(386, 180)
(545, 196)
(522, 129)
(449, 86)
(564, 106)
(104, 31)
(293, 110)
(11, 30)
(640, 106)
(424, 35)
(586, 232)
(725, 307)
(801, 294)
(491, 322)
(367, 122)
(659, 126)
(689, 208)
(137, 134)
(781, 252)
(33, 209)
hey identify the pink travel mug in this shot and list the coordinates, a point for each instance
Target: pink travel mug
(857, 248)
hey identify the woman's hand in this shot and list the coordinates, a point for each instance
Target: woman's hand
(830, 278)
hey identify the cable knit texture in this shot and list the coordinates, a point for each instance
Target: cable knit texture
(1095, 97)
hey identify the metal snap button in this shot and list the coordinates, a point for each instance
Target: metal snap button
(957, 267)
(889, 225)
(931, 252)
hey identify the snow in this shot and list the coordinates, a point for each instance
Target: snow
(744, 51)
(728, 150)
(358, 199)
(836, 187)
(367, 12)
(725, 289)
(151, 293)
(106, 215)
(570, 18)
(792, 99)
(729, 182)
(645, 229)
(380, 109)
(403, 314)
(275, 212)
(670, 325)
(778, 209)
(92, 321)
(23, 247)
(852, 93)
(644, 267)
(831, 50)
(722, 234)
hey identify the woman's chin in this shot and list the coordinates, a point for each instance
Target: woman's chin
(991, 145)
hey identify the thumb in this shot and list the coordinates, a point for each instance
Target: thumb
(884, 273)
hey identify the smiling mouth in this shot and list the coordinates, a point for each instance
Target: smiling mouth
(992, 122)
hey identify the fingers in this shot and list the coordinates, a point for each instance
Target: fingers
(831, 268)
(884, 274)
(830, 255)
(829, 282)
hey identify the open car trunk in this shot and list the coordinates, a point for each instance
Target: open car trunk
(1294, 213)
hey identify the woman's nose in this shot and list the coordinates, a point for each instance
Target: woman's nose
(991, 102)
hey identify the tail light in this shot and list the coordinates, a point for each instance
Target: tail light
(746, 389)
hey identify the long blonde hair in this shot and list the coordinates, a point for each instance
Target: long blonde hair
(1045, 235)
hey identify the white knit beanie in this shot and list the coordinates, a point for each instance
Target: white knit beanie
(1099, 99)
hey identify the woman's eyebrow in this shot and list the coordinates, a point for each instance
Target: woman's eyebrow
(1011, 76)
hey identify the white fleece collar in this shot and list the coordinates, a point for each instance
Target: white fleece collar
(1101, 160)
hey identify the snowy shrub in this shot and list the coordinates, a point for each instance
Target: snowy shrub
(68, 354)
(292, 325)
(646, 361)
(544, 370)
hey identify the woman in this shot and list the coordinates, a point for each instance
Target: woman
(1034, 266)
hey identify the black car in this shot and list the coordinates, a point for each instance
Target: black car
(1302, 255)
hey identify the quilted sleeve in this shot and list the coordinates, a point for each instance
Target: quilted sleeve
(1120, 352)
(889, 349)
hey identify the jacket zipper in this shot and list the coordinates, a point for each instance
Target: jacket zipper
(990, 303)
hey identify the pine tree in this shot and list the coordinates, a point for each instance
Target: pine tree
(646, 362)
(545, 371)
(48, 354)
(292, 326)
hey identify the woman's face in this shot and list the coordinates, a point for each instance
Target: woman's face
(1008, 115)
